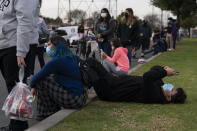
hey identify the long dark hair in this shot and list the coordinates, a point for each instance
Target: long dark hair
(61, 48)
(128, 21)
(116, 42)
(107, 19)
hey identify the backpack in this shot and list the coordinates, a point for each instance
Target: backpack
(88, 75)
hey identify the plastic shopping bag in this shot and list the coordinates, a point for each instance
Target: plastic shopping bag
(18, 104)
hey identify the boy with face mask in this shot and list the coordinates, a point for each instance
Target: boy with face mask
(148, 88)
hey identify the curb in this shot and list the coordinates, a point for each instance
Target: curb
(139, 65)
(57, 117)
(62, 114)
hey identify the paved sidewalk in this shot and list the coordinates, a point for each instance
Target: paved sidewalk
(3, 92)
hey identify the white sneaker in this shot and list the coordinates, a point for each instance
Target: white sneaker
(141, 61)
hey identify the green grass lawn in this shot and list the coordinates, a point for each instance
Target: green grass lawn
(107, 116)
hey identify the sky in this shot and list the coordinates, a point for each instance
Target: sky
(140, 7)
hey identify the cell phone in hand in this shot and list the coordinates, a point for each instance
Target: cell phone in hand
(177, 73)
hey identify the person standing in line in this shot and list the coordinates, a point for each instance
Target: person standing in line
(169, 39)
(16, 28)
(52, 32)
(128, 32)
(145, 34)
(43, 38)
(31, 56)
(105, 30)
(174, 33)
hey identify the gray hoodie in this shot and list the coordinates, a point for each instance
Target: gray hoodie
(17, 24)
(36, 12)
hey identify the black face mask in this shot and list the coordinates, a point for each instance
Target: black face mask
(126, 15)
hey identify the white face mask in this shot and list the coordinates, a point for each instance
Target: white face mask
(167, 87)
(103, 15)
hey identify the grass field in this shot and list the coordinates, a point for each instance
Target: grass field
(107, 116)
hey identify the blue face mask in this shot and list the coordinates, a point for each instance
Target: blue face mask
(167, 87)
(49, 52)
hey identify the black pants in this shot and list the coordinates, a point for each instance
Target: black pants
(145, 42)
(9, 69)
(30, 60)
(40, 54)
(174, 42)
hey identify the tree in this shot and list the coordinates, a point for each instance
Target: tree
(57, 21)
(95, 15)
(78, 16)
(181, 8)
(189, 22)
(153, 20)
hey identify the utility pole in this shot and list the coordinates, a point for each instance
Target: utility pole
(116, 9)
(110, 6)
(58, 10)
(69, 11)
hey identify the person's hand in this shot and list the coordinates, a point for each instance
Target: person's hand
(33, 91)
(170, 71)
(167, 95)
(99, 36)
(103, 55)
(20, 61)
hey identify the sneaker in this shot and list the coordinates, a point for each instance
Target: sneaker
(169, 49)
(142, 55)
(141, 61)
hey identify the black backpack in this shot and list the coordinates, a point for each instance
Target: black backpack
(88, 75)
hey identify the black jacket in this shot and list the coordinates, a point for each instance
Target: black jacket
(143, 89)
(129, 35)
(110, 33)
(146, 30)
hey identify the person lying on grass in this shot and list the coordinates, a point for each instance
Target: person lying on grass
(148, 88)
(54, 84)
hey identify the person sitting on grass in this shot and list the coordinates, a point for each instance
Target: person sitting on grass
(119, 63)
(54, 84)
(148, 88)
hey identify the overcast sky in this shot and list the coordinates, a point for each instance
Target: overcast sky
(140, 7)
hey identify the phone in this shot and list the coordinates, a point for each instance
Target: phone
(101, 56)
(177, 73)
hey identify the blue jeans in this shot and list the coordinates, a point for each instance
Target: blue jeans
(129, 53)
(105, 46)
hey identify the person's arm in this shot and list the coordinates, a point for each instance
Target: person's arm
(24, 16)
(44, 27)
(48, 69)
(150, 32)
(96, 28)
(119, 31)
(155, 73)
(115, 57)
(110, 30)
